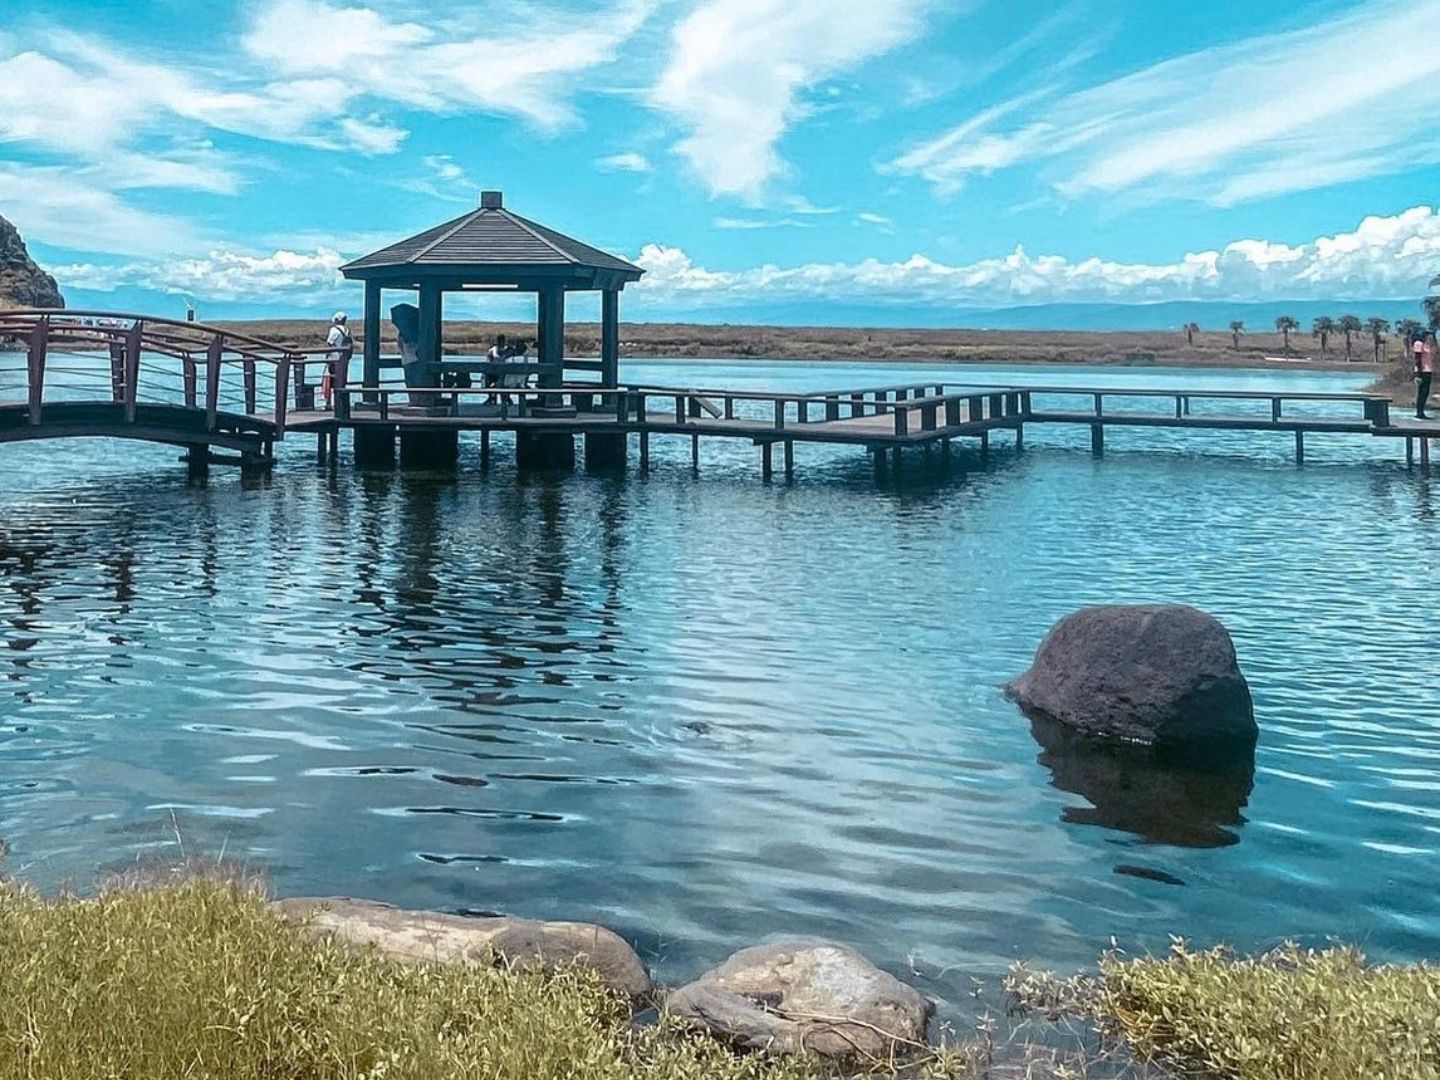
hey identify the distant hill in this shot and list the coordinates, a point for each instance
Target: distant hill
(22, 282)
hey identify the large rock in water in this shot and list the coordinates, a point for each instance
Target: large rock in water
(1164, 676)
(801, 997)
(524, 944)
(22, 283)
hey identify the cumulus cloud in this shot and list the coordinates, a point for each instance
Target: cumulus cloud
(629, 161)
(72, 211)
(1382, 258)
(739, 70)
(1224, 125)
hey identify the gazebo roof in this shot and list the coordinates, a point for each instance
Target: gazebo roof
(491, 241)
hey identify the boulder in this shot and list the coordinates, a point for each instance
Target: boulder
(1163, 676)
(525, 944)
(813, 997)
(22, 283)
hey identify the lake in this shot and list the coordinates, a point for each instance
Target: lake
(703, 711)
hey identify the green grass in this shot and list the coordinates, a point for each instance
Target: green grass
(1290, 1014)
(200, 979)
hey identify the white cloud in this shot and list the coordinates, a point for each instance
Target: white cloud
(874, 219)
(759, 223)
(1383, 258)
(222, 275)
(739, 70)
(523, 62)
(1226, 125)
(628, 161)
(57, 207)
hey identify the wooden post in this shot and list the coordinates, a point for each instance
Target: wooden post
(1299, 448)
(695, 454)
(1179, 410)
(1425, 454)
(370, 375)
(1275, 409)
(767, 463)
(902, 420)
(189, 383)
(1409, 451)
(832, 408)
(282, 392)
(428, 347)
(984, 446)
(1097, 439)
(132, 371)
(644, 451)
(485, 448)
(1019, 438)
(35, 369)
(117, 371)
(321, 446)
(552, 336)
(779, 414)
(610, 337)
(680, 409)
(250, 387)
(789, 459)
(212, 380)
(878, 453)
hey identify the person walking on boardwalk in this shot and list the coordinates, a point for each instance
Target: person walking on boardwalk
(1424, 372)
(342, 348)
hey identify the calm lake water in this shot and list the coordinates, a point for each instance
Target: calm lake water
(706, 711)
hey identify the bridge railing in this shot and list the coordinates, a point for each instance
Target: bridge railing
(131, 360)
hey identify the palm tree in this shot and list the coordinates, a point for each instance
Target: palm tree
(1350, 325)
(1285, 324)
(1191, 329)
(1378, 328)
(1236, 329)
(1322, 328)
(1431, 305)
(1407, 329)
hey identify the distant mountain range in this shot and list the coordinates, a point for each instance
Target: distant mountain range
(1211, 315)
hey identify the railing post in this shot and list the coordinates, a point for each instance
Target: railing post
(779, 413)
(35, 368)
(212, 380)
(680, 409)
(857, 405)
(249, 387)
(188, 382)
(952, 412)
(832, 408)
(117, 371)
(132, 370)
(902, 419)
(729, 407)
(1275, 409)
(282, 392)
(927, 417)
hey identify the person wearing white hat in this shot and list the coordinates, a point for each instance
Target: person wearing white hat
(342, 347)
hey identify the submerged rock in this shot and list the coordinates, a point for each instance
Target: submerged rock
(1163, 676)
(813, 997)
(525, 944)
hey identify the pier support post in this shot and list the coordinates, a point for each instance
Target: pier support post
(374, 447)
(1425, 455)
(484, 448)
(644, 452)
(545, 451)
(984, 446)
(1019, 438)
(1097, 439)
(878, 454)
(1409, 451)
(695, 454)
(606, 452)
(1299, 448)
(429, 449)
(895, 463)
(322, 448)
(789, 459)
(197, 461)
(767, 460)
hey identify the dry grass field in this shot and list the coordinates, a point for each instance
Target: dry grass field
(1210, 349)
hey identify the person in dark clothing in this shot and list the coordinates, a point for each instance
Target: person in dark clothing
(1424, 373)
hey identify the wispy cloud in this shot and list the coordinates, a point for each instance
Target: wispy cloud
(739, 71)
(1225, 125)
(629, 161)
(759, 223)
(67, 211)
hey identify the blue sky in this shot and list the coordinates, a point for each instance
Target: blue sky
(815, 155)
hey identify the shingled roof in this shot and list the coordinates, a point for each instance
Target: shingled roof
(491, 238)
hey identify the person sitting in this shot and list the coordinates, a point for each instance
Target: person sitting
(498, 353)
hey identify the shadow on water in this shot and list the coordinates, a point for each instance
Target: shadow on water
(1132, 790)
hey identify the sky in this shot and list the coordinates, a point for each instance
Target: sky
(800, 159)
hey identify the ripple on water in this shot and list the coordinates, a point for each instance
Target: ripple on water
(707, 711)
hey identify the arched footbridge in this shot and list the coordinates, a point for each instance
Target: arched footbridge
(73, 374)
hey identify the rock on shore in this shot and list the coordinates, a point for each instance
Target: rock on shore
(1164, 676)
(22, 282)
(813, 997)
(524, 944)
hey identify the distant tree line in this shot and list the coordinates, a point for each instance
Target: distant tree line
(1351, 326)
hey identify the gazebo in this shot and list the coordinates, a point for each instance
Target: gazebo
(491, 249)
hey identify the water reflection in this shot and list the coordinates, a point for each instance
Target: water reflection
(1132, 790)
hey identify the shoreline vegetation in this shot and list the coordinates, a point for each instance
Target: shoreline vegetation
(198, 974)
(1181, 349)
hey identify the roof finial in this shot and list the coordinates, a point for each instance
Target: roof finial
(491, 200)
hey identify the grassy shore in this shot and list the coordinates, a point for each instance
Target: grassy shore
(200, 979)
(1213, 349)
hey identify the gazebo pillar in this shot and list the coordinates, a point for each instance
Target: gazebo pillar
(551, 335)
(371, 330)
(430, 449)
(606, 452)
(548, 451)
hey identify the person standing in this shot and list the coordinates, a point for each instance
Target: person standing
(1424, 372)
(342, 348)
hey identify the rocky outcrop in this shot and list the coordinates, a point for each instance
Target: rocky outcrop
(814, 997)
(22, 283)
(523, 944)
(1164, 676)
